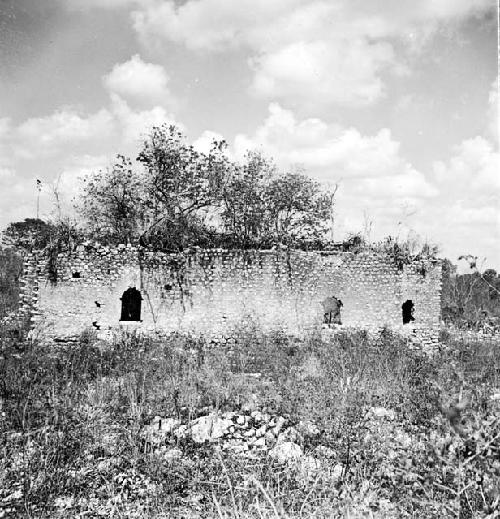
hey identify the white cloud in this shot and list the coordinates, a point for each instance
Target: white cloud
(318, 52)
(473, 172)
(42, 136)
(5, 128)
(69, 130)
(373, 177)
(69, 183)
(467, 218)
(456, 205)
(47, 144)
(139, 82)
(493, 111)
(211, 24)
(329, 151)
(102, 4)
(320, 72)
(22, 192)
(204, 142)
(135, 124)
(445, 9)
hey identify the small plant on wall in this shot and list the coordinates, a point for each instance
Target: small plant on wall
(408, 251)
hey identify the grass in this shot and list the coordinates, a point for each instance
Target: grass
(72, 416)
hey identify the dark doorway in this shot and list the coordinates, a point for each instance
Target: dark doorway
(131, 305)
(408, 308)
(331, 310)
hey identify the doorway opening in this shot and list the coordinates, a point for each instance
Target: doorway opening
(407, 308)
(131, 305)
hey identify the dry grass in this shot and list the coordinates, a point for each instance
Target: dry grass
(71, 421)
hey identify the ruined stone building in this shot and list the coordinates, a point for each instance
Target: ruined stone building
(217, 293)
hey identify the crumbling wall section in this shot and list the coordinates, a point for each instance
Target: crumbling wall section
(29, 284)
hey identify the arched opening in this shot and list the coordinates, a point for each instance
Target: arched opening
(331, 310)
(131, 305)
(408, 308)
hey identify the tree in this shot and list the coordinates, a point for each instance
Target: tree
(113, 202)
(262, 207)
(181, 182)
(299, 209)
(245, 213)
(470, 299)
(185, 197)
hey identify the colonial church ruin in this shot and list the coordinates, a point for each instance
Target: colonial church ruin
(219, 293)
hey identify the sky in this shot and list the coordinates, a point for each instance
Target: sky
(393, 101)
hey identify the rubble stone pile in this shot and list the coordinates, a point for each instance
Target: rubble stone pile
(233, 431)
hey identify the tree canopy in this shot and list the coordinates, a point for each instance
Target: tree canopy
(112, 202)
(175, 196)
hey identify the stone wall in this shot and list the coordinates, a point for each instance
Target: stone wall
(218, 293)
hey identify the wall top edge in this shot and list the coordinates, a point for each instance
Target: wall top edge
(94, 252)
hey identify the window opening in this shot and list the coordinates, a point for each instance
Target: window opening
(131, 305)
(331, 310)
(407, 308)
(76, 275)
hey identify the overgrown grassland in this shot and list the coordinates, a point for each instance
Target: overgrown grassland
(72, 416)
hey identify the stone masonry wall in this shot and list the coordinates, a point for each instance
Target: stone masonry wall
(218, 293)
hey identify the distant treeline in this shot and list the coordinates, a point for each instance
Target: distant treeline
(470, 300)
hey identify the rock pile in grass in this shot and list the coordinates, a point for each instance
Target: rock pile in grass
(234, 432)
(252, 432)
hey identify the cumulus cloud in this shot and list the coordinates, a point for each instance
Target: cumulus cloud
(102, 4)
(134, 124)
(93, 138)
(70, 181)
(329, 151)
(68, 132)
(493, 112)
(469, 211)
(204, 142)
(5, 128)
(139, 82)
(472, 172)
(120, 124)
(319, 72)
(317, 52)
(456, 204)
(372, 175)
(43, 136)
(20, 190)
